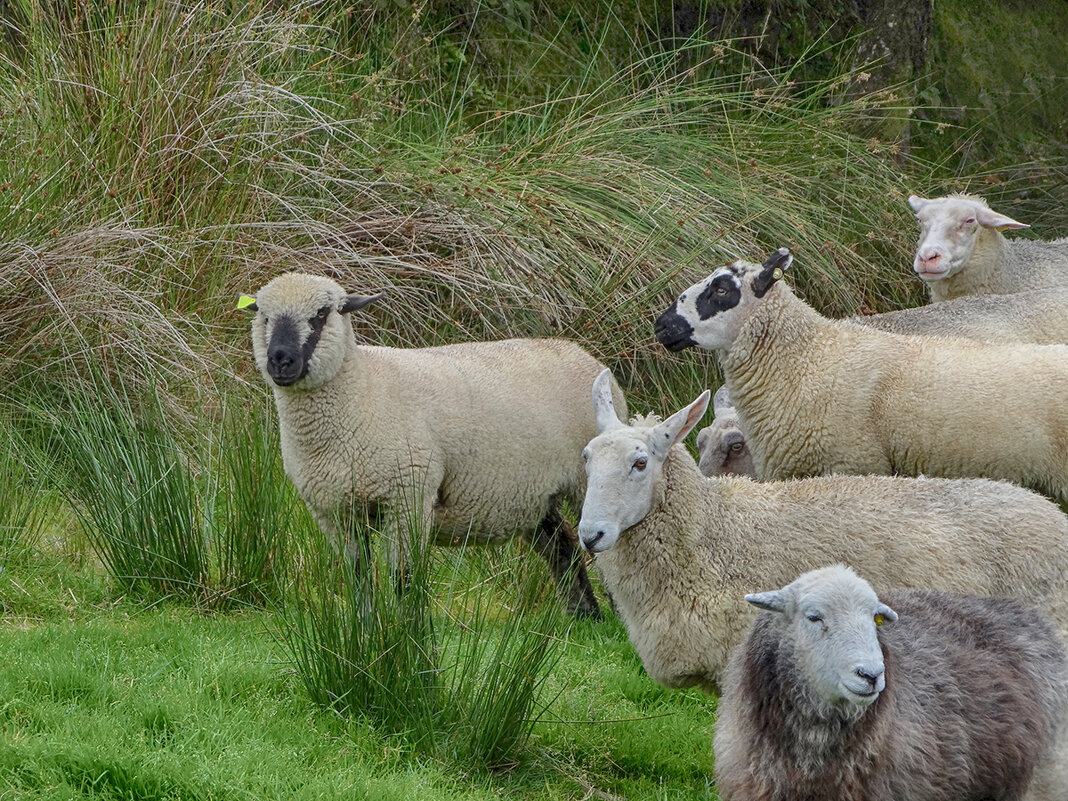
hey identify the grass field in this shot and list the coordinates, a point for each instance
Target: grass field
(172, 625)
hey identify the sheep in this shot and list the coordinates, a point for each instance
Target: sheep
(721, 446)
(818, 396)
(677, 550)
(962, 252)
(1038, 316)
(478, 440)
(839, 694)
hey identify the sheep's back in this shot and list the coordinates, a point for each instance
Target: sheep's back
(507, 422)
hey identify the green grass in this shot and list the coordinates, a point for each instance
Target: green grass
(109, 699)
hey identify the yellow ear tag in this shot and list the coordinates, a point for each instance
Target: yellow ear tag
(244, 301)
(776, 274)
(879, 620)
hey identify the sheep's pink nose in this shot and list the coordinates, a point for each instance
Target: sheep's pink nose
(929, 259)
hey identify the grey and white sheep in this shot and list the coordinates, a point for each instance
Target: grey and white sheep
(962, 252)
(819, 396)
(838, 694)
(677, 550)
(483, 437)
(1038, 316)
(721, 446)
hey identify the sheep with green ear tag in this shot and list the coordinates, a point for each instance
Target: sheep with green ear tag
(839, 694)
(482, 438)
(677, 550)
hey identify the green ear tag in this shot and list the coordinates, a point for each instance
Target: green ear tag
(244, 301)
(776, 274)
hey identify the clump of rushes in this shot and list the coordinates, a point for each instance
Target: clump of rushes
(258, 530)
(157, 160)
(452, 662)
(21, 513)
(135, 495)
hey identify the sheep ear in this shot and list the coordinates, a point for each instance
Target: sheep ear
(917, 202)
(774, 601)
(771, 271)
(991, 219)
(676, 427)
(888, 615)
(604, 409)
(721, 400)
(356, 302)
(247, 302)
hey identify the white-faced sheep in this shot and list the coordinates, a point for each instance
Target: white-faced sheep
(484, 437)
(677, 551)
(819, 396)
(721, 447)
(838, 694)
(962, 252)
(1038, 316)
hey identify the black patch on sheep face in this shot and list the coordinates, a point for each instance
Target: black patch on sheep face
(672, 330)
(721, 294)
(287, 357)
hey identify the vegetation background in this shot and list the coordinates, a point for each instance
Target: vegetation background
(172, 627)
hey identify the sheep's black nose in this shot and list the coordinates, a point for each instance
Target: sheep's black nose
(284, 364)
(870, 676)
(589, 542)
(672, 330)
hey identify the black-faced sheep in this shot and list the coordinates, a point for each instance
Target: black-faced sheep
(721, 446)
(841, 695)
(483, 437)
(962, 252)
(677, 551)
(819, 396)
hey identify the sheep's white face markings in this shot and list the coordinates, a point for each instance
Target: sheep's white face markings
(621, 472)
(949, 229)
(832, 617)
(709, 313)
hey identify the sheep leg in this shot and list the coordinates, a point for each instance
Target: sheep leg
(557, 544)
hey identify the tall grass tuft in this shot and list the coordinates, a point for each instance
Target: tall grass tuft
(257, 532)
(21, 515)
(132, 488)
(452, 663)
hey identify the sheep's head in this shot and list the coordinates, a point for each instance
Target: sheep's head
(710, 313)
(828, 619)
(623, 465)
(949, 228)
(721, 446)
(300, 334)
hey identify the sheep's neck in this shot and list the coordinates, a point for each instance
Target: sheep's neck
(665, 536)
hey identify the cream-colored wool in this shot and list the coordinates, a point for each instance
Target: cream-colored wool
(1038, 316)
(819, 396)
(678, 576)
(486, 435)
(962, 251)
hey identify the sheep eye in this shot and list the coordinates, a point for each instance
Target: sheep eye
(323, 313)
(640, 463)
(720, 290)
(814, 618)
(585, 454)
(736, 447)
(969, 222)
